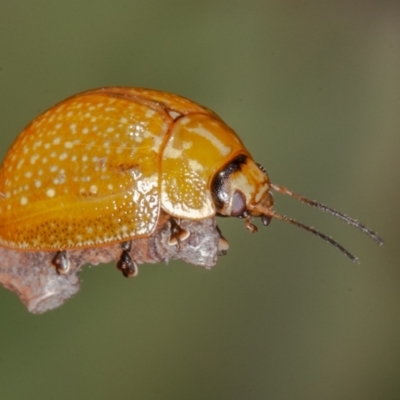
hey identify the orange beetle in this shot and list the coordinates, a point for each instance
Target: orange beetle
(100, 168)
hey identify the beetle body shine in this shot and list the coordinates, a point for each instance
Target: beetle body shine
(100, 166)
(104, 166)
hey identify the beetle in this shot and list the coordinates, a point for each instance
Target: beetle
(103, 166)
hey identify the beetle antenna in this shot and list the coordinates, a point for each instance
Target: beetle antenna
(273, 214)
(329, 210)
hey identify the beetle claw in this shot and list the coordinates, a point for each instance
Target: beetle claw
(125, 264)
(178, 234)
(61, 262)
(223, 244)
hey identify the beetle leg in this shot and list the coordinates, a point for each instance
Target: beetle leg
(125, 264)
(223, 245)
(178, 234)
(61, 262)
(249, 225)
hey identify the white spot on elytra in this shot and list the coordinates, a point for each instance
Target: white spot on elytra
(20, 162)
(172, 152)
(23, 201)
(34, 158)
(38, 183)
(50, 192)
(93, 189)
(37, 144)
(63, 156)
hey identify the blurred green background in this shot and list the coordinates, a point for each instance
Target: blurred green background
(313, 89)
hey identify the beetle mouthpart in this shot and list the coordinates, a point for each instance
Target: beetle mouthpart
(266, 219)
(249, 225)
(329, 210)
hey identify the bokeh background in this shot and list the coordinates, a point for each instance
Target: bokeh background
(313, 89)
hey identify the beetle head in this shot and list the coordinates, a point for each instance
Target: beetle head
(239, 188)
(242, 189)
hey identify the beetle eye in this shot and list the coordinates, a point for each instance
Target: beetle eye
(238, 204)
